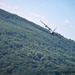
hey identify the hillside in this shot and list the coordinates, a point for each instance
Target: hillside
(28, 49)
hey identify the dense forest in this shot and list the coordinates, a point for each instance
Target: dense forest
(28, 49)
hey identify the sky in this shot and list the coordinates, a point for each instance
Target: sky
(54, 13)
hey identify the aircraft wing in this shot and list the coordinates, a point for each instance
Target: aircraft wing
(54, 29)
(45, 25)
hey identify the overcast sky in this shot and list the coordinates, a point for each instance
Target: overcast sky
(55, 13)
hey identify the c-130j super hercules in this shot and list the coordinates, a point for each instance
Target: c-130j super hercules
(56, 34)
(51, 31)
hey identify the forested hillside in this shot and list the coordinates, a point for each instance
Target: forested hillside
(28, 49)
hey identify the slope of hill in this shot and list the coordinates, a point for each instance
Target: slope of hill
(28, 49)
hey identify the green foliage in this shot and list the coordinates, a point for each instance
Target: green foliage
(28, 49)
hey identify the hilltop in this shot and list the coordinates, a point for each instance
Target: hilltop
(29, 49)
